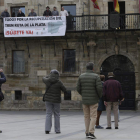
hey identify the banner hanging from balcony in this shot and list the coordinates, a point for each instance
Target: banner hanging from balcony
(116, 6)
(34, 26)
(95, 3)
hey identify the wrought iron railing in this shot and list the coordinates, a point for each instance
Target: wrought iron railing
(97, 23)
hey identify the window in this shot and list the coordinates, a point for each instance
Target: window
(71, 9)
(71, 21)
(1, 2)
(69, 60)
(15, 10)
(18, 62)
(18, 95)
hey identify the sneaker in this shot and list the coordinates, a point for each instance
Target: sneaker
(0, 131)
(58, 132)
(99, 127)
(91, 136)
(87, 135)
(47, 132)
(108, 128)
(116, 128)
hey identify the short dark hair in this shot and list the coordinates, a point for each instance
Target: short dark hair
(90, 66)
(102, 77)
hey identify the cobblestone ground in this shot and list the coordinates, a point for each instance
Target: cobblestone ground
(29, 125)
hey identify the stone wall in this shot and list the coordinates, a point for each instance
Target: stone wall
(39, 65)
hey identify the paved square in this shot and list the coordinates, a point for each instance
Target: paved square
(29, 125)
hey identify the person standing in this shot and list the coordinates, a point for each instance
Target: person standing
(52, 97)
(20, 13)
(5, 13)
(112, 94)
(47, 12)
(32, 13)
(55, 12)
(101, 106)
(90, 88)
(63, 12)
(2, 80)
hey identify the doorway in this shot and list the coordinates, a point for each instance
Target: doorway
(122, 12)
(71, 20)
(123, 69)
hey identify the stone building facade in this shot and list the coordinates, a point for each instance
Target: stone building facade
(106, 49)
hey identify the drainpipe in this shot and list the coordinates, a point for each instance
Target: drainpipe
(38, 8)
(89, 7)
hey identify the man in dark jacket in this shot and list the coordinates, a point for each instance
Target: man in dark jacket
(90, 87)
(53, 99)
(20, 13)
(32, 13)
(112, 94)
(5, 13)
(2, 80)
(47, 12)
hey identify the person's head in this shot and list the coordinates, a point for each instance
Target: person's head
(102, 77)
(62, 8)
(90, 66)
(6, 10)
(54, 8)
(54, 71)
(111, 75)
(32, 10)
(47, 8)
(20, 11)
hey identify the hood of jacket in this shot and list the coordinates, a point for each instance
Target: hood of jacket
(52, 78)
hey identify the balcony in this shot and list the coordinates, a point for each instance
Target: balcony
(96, 23)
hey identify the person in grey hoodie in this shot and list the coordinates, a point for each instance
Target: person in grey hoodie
(52, 97)
(55, 12)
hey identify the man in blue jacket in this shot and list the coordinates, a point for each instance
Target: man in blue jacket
(2, 80)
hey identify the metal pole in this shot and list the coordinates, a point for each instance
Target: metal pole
(38, 9)
(89, 6)
(83, 8)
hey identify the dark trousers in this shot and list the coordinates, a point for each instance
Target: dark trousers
(98, 117)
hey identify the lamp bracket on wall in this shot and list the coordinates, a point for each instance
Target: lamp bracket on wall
(54, 48)
(126, 42)
(83, 45)
(5, 48)
(28, 49)
(67, 41)
(105, 42)
(15, 43)
(41, 49)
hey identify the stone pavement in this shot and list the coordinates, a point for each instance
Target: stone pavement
(29, 125)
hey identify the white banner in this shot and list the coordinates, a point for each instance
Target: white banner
(34, 26)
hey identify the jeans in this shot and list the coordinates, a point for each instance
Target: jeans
(50, 109)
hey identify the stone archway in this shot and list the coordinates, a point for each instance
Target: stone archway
(117, 63)
(124, 71)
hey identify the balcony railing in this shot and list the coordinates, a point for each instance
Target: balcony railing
(96, 23)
